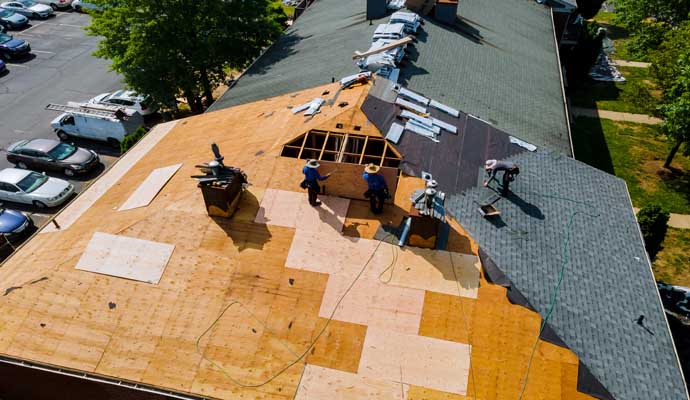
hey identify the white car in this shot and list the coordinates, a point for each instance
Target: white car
(56, 4)
(28, 8)
(128, 99)
(80, 5)
(29, 187)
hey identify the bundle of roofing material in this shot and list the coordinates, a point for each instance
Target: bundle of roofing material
(410, 105)
(375, 62)
(394, 133)
(408, 94)
(446, 109)
(411, 20)
(430, 123)
(389, 31)
(419, 129)
(350, 80)
(523, 144)
(396, 4)
(312, 107)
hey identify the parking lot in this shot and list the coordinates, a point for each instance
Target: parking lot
(61, 68)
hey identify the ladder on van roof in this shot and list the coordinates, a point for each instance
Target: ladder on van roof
(91, 109)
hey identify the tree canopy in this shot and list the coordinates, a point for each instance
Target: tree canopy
(649, 20)
(671, 71)
(183, 48)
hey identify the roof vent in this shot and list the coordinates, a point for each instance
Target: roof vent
(376, 9)
(446, 11)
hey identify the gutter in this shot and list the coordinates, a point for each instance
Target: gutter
(560, 76)
(658, 295)
(98, 379)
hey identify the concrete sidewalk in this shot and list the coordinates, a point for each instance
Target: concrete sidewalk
(615, 115)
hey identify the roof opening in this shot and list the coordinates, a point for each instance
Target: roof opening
(342, 147)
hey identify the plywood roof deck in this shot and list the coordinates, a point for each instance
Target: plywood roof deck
(234, 272)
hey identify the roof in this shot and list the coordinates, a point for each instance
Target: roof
(499, 63)
(241, 299)
(13, 175)
(563, 215)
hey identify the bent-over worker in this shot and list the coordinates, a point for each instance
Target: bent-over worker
(310, 182)
(510, 171)
(378, 190)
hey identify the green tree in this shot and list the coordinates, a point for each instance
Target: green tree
(677, 124)
(648, 21)
(183, 48)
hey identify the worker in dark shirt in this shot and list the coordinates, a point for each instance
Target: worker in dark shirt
(378, 190)
(510, 171)
(311, 181)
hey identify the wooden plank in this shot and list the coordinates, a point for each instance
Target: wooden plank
(422, 361)
(150, 187)
(325, 383)
(292, 210)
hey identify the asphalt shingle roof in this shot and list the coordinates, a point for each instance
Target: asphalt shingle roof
(499, 62)
(608, 282)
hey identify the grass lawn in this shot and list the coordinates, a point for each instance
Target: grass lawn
(624, 97)
(672, 264)
(635, 153)
(289, 10)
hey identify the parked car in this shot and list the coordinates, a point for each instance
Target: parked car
(128, 99)
(12, 20)
(3, 67)
(80, 5)
(28, 8)
(51, 154)
(13, 48)
(29, 187)
(96, 121)
(14, 224)
(56, 4)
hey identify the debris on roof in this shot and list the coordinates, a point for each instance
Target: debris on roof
(311, 107)
(395, 132)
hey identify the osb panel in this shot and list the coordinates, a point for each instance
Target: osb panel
(372, 303)
(325, 383)
(339, 347)
(292, 210)
(415, 360)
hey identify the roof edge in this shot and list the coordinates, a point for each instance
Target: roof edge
(560, 77)
(658, 296)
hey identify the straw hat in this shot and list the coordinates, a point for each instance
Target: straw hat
(313, 164)
(372, 169)
(489, 164)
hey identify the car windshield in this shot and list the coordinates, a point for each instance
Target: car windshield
(5, 38)
(62, 151)
(27, 3)
(5, 13)
(32, 182)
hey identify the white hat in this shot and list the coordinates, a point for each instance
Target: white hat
(313, 164)
(490, 164)
(372, 168)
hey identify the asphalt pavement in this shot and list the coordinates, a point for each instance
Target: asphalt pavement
(61, 68)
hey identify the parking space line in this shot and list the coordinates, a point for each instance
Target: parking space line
(73, 26)
(17, 65)
(33, 26)
(42, 51)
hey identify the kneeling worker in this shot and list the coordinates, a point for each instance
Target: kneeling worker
(510, 171)
(378, 190)
(310, 182)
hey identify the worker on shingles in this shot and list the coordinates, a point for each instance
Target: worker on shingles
(378, 190)
(311, 181)
(510, 171)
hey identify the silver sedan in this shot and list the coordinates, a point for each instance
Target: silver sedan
(28, 8)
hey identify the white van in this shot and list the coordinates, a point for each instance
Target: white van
(95, 121)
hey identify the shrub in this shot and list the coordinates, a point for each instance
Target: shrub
(653, 222)
(131, 140)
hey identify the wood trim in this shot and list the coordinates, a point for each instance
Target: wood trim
(304, 141)
(364, 148)
(325, 142)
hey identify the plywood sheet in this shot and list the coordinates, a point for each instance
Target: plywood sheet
(292, 210)
(320, 383)
(125, 257)
(330, 253)
(150, 187)
(433, 270)
(372, 303)
(422, 361)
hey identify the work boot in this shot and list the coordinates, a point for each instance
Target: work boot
(316, 204)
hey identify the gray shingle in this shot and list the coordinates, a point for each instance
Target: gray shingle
(498, 63)
(608, 282)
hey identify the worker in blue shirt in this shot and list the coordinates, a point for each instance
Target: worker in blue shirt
(378, 190)
(311, 181)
